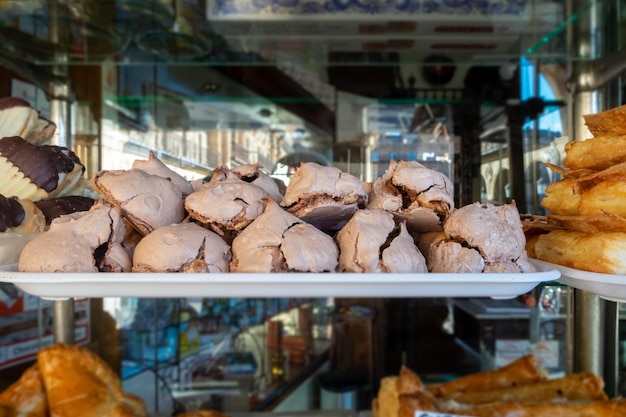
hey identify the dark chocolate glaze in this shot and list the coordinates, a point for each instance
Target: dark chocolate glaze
(10, 102)
(56, 207)
(40, 164)
(12, 213)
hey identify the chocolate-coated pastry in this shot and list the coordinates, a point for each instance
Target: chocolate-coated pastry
(59, 206)
(38, 172)
(21, 216)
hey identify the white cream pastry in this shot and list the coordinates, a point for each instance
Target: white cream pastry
(277, 241)
(228, 205)
(324, 196)
(19, 118)
(422, 196)
(481, 237)
(155, 166)
(182, 247)
(371, 241)
(147, 201)
(86, 241)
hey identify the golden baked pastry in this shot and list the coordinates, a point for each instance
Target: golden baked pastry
(26, 397)
(79, 383)
(608, 122)
(616, 408)
(402, 394)
(525, 370)
(595, 252)
(584, 386)
(596, 153)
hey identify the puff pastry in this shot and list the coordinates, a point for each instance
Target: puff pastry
(79, 383)
(615, 408)
(583, 386)
(525, 370)
(26, 397)
(602, 252)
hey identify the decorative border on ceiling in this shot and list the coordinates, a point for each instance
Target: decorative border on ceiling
(368, 7)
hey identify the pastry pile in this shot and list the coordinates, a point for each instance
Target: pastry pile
(585, 227)
(520, 389)
(69, 381)
(39, 181)
(150, 219)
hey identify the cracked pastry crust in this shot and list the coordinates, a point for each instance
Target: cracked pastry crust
(324, 196)
(371, 241)
(155, 166)
(278, 241)
(227, 205)
(481, 238)
(423, 197)
(182, 247)
(79, 383)
(147, 201)
(88, 241)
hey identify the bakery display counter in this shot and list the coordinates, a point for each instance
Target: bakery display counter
(174, 285)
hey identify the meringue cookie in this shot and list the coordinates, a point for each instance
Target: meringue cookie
(155, 166)
(226, 205)
(88, 241)
(422, 196)
(277, 241)
(324, 196)
(253, 174)
(182, 247)
(147, 201)
(372, 242)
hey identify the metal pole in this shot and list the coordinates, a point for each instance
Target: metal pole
(586, 330)
(63, 323)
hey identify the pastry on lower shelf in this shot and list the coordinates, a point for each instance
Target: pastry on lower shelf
(522, 371)
(182, 247)
(278, 241)
(372, 241)
(400, 395)
(481, 237)
(80, 383)
(614, 408)
(422, 196)
(324, 196)
(155, 166)
(147, 201)
(226, 206)
(20, 216)
(26, 397)
(88, 241)
(38, 172)
(252, 173)
(19, 118)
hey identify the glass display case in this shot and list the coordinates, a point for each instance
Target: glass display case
(485, 92)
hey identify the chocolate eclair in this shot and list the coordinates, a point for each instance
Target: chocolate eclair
(18, 118)
(36, 172)
(20, 216)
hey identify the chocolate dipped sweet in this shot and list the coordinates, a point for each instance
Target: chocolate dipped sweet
(18, 118)
(37, 172)
(20, 216)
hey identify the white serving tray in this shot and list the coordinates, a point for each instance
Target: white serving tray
(175, 285)
(608, 286)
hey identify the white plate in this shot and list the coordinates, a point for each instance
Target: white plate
(608, 286)
(174, 285)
